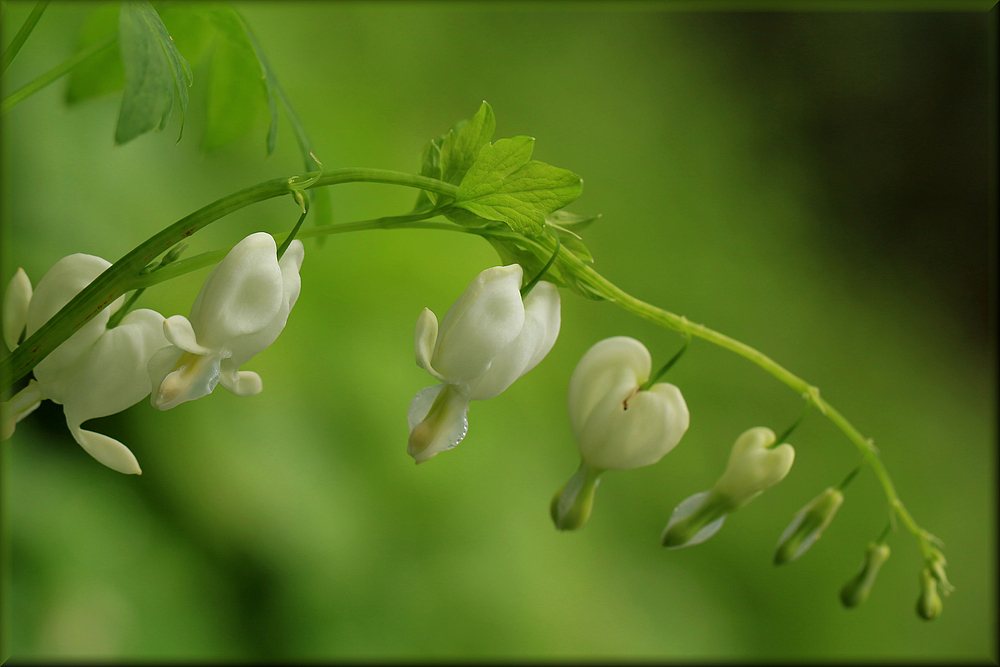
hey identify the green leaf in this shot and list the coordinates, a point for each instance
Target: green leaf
(503, 185)
(430, 166)
(102, 74)
(461, 146)
(449, 157)
(154, 72)
(574, 244)
(193, 34)
(572, 221)
(234, 94)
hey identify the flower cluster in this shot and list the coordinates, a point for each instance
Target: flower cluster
(99, 371)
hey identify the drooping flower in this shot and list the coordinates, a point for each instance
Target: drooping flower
(754, 465)
(239, 311)
(488, 339)
(617, 424)
(95, 372)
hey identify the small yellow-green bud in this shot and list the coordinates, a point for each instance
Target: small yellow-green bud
(696, 519)
(807, 526)
(929, 604)
(571, 506)
(857, 589)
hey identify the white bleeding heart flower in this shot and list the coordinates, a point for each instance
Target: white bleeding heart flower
(754, 465)
(239, 311)
(95, 372)
(617, 424)
(488, 339)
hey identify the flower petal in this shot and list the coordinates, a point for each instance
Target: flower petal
(62, 282)
(15, 308)
(425, 336)
(20, 406)
(538, 335)
(607, 374)
(241, 295)
(178, 331)
(241, 383)
(484, 320)
(107, 450)
(246, 347)
(438, 421)
(112, 375)
(179, 376)
(752, 467)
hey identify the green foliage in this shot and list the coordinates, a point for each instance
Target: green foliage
(505, 185)
(103, 74)
(461, 146)
(154, 72)
(532, 257)
(449, 157)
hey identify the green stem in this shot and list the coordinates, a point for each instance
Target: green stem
(22, 36)
(570, 263)
(55, 73)
(667, 366)
(526, 290)
(122, 275)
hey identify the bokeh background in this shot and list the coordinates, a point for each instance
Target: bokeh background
(814, 184)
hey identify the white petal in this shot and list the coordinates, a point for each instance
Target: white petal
(607, 373)
(15, 308)
(245, 348)
(179, 332)
(179, 376)
(752, 467)
(438, 421)
(425, 336)
(113, 374)
(22, 404)
(538, 335)
(483, 321)
(616, 438)
(688, 507)
(241, 383)
(62, 282)
(241, 296)
(107, 450)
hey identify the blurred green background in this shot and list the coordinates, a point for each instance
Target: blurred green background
(812, 184)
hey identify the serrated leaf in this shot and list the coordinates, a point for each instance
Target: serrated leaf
(462, 145)
(103, 73)
(503, 185)
(155, 72)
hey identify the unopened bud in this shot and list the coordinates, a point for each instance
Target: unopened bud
(857, 589)
(807, 526)
(696, 519)
(929, 604)
(572, 504)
